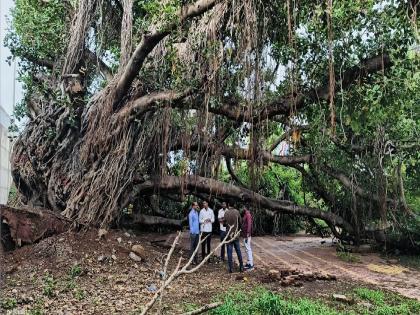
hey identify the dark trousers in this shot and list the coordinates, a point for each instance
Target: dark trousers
(205, 244)
(222, 250)
(194, 243)
(230, 246)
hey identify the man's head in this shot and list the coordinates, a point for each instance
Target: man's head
(194, 205)
(224, 205)
(205, 205)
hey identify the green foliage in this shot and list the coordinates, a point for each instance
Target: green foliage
(164, 12)
(264, 302)
(49, 286)
(386, 303)
(374, 296)
(38, 308)
(260, 301)
(79, 294)
(39, 28)
(348, 257)
(8, 303)
(75, 271)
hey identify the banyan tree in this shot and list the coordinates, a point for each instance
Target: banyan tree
(130, 103)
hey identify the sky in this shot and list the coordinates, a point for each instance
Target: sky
(10, 89)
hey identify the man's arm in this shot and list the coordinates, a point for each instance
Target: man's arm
(190, 220)
(212, 216)
(201, 217)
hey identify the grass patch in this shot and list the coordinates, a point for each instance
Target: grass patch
(385, 303)
(374, 296)
(75, 271)
(263, 302)
(348, 257)
(49, 286)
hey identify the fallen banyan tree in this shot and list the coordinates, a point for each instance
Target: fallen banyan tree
(161, 98)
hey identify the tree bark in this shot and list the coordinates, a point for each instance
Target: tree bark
(29, 225)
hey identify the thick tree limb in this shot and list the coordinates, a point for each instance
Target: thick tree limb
(152, 101)
(154, 220)
(29, 225)
(283, 105)
(150, 40)
(78, 33)
(223, 190)
(243, 154)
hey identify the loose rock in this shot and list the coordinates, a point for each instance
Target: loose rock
(102, 233)
(139, 251)
(134, 257)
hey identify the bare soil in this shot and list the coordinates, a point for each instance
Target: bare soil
(62, 274)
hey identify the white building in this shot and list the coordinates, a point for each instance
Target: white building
(5, 149)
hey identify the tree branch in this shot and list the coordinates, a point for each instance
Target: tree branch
(232, 172)
(223, 190)
(204, 308)
(152, 101)
(42, 62)
(102, 67)
(150, 40)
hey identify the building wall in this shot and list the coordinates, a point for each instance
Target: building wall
(5, 150)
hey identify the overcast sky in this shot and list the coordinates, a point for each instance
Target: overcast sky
(9, 91)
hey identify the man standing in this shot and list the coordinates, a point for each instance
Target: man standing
(206, 221)
(221, 218)
(194, 229)
(233, 222)
(246, 234)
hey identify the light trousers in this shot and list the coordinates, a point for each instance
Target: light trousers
(248, 249)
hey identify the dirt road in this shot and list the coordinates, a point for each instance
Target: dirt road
(307, 253)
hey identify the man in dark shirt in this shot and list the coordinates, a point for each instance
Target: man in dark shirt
(246, 234)
(233, 223)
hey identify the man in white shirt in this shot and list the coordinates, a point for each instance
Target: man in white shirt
(221, 218)
(206, 220)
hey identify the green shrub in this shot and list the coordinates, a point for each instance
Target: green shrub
(9, 303)
(49, 286)
(75, 271)
(348, 257)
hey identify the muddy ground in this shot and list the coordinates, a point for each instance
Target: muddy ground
(82, 274)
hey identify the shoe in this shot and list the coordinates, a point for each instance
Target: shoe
(230, 271)
(241, 269)
(249, 268)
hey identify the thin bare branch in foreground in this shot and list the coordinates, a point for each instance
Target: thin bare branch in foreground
(204, 308)
(178, 271)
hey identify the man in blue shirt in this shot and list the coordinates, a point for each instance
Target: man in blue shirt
(194, 229)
